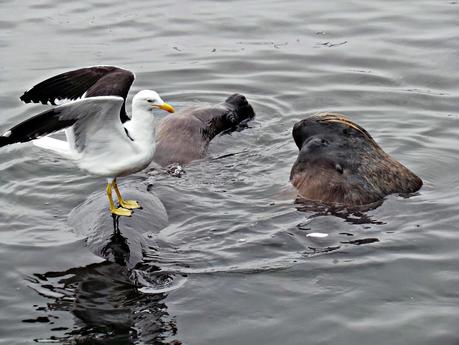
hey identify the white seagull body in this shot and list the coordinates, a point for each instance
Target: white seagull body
(99, 143)
(97, 139)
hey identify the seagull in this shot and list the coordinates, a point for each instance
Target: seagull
(102, 140)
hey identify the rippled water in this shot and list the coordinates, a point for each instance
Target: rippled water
(235, 244)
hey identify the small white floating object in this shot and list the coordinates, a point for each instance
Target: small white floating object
(317, 234)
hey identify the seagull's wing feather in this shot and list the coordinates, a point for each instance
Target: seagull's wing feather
(37, 126)
(85, 115)
(101, 128)
(83, 82)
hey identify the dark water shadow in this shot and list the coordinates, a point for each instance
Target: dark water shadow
(107, 307)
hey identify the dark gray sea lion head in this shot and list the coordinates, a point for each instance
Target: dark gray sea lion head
(185, 136)
(234, 111)
(340, 163)
(242, 110)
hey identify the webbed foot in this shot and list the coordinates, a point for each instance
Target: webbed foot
(120, 211)
(129, 204)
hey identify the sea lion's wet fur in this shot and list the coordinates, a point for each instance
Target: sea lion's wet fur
(340, 163)
(184, 136)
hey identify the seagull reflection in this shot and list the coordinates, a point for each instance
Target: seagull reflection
(106, 301)
(117, 248)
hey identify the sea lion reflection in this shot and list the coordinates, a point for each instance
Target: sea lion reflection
(107, 305)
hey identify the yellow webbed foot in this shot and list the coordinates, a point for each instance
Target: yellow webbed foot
(129, 204)
(121, 212)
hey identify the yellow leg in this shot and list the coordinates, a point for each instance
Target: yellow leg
(129, 204)
(117, 211)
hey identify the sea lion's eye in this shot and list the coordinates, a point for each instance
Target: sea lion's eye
(324, 142)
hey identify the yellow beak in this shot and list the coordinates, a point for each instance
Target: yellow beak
(167, 107)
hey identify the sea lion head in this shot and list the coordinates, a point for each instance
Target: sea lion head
(240, 111)
(230, 115)
(340, 163)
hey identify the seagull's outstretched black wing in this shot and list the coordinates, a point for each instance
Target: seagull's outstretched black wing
(92, 117)
(39, 125)
(90, 82)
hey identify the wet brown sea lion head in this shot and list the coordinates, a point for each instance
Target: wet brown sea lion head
(340, 163)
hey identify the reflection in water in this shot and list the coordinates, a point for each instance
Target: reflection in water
(106, 300)
(117, 248)
(355, 216)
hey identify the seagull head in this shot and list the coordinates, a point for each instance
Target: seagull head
(149, 100)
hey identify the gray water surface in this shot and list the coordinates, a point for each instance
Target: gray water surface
(249, 273)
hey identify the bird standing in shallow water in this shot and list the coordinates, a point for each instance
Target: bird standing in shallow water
(101, 139)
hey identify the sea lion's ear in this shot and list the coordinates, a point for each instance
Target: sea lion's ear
(339, 168)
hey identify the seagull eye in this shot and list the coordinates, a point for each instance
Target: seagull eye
(149, 100)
